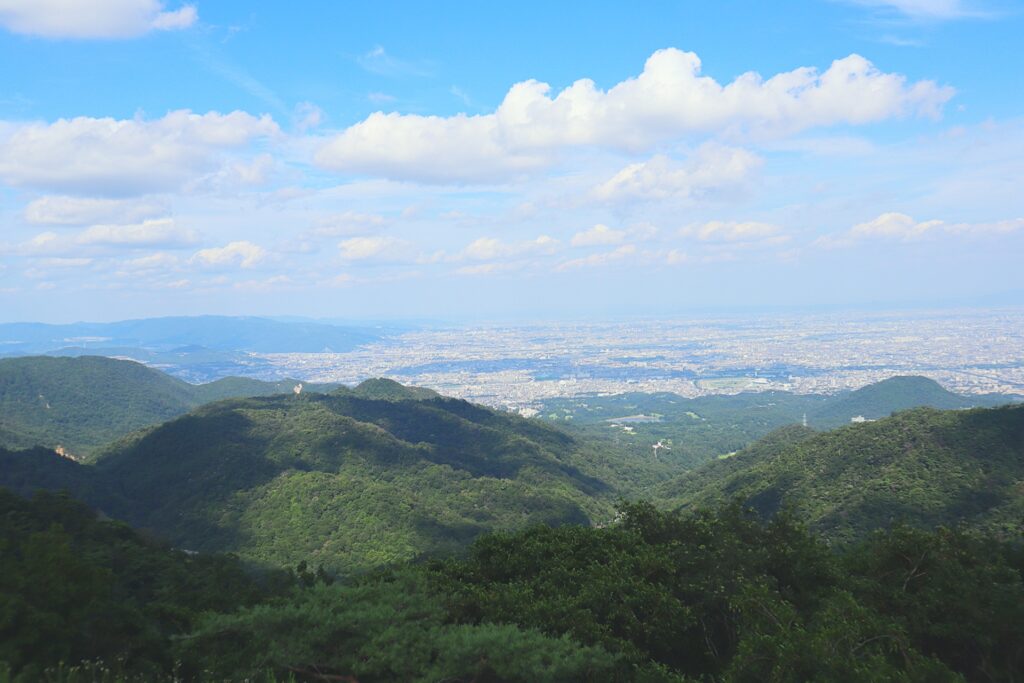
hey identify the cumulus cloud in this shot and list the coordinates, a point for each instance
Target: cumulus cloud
(899, 227)
(241, 253)
(730, 231)
(712, 167)
(491, 248)
(364, 248)
(598, 235)
(668, 100)
(123, 157)
(93, 19)
(63, 210)
(162, 232)
(158, 233)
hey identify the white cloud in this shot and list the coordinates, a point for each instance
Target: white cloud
(242, 253)
(93, 19)
(162, 232)
(62, 210)
(894, 226)
(596, 260)
(122, 157)
(711, 167)
(598, 235)
(363, 248)
(726, 231)
(491, 248)
(668, 100)
(151, 262)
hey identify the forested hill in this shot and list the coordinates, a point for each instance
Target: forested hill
(924, 467)
(891, 395)
(84, 402)
(338, 479)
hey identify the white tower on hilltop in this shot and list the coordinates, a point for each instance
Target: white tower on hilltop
(805, 420)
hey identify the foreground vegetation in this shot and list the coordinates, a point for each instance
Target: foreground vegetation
(655, 597)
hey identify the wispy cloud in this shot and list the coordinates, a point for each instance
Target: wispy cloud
(937, 10)
(379, 61)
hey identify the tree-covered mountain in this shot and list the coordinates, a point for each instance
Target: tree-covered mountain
(924, 467)
(85, 402)
(884, 398)
(339, 479)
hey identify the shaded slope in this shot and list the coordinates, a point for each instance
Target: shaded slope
(84, 402)
(337, 479)
(923, 466)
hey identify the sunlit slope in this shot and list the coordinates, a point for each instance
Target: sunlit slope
(337, 479)
(925, 467)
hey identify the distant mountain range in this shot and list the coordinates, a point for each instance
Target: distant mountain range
(196, 349)
(218, 333)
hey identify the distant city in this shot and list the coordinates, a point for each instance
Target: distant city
(518, 367)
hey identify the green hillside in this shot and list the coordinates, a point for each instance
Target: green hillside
(698, 430)
(335, 479)
(924, 467)
(382, 389)
(85, 402)
(891, 395)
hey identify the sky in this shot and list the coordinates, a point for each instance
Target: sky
(454, 160)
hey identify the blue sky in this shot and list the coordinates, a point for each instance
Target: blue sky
(531, 160)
